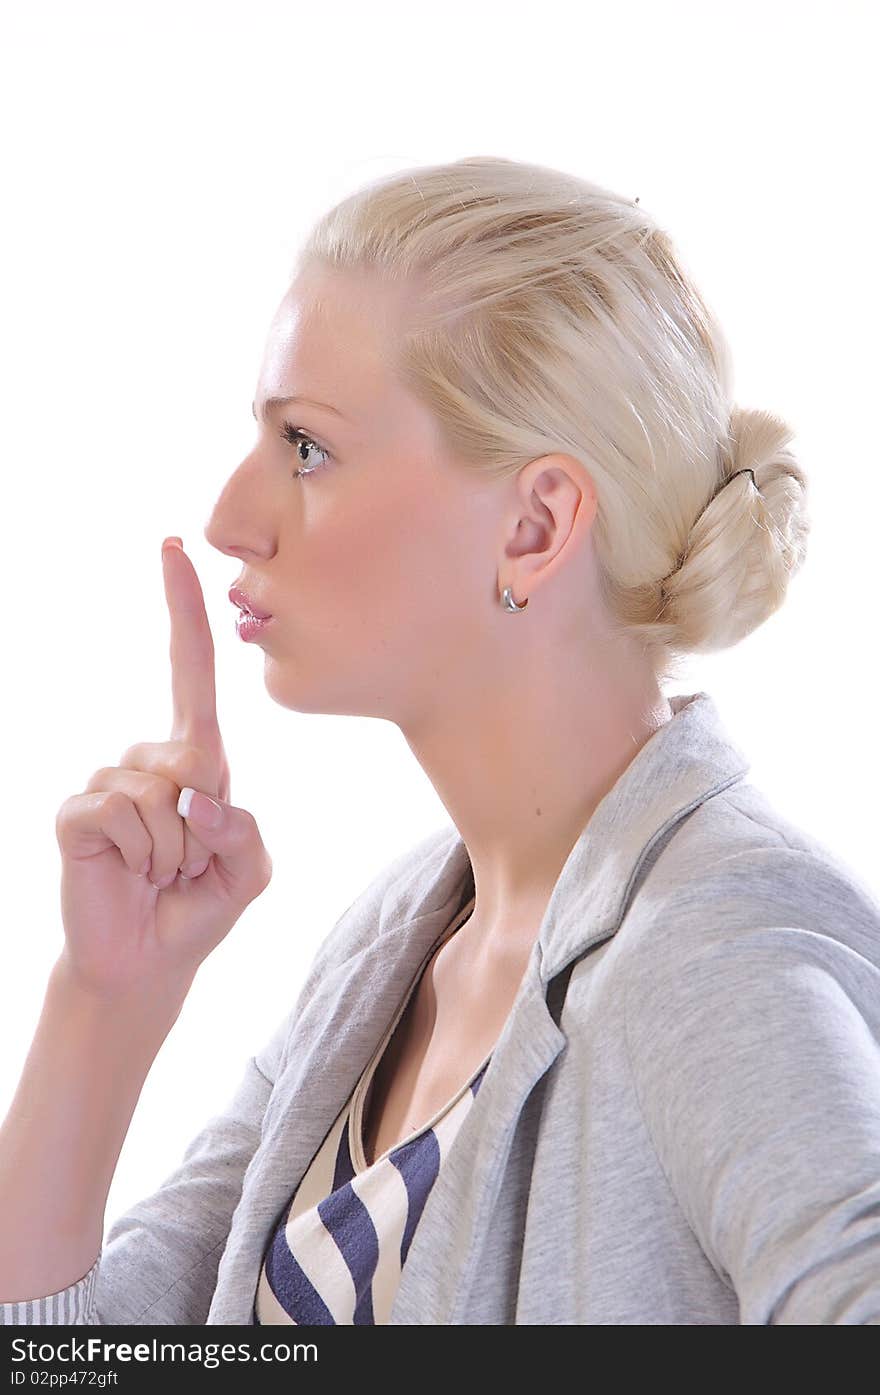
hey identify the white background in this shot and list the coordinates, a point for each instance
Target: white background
(161, 164)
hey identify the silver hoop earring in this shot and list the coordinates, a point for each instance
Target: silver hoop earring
(509, 603)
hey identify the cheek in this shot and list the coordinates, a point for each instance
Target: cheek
(392, 567)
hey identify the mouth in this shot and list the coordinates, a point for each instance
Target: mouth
(248, 627)
(245, 604)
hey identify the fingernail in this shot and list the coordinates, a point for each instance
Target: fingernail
(199, 807)
(172, 542)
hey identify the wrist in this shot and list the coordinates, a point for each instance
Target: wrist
(147, 1008)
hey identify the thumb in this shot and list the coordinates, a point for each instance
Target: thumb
(231, 834)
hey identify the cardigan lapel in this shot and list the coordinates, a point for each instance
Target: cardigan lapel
(434, 1282)
(332, 1041)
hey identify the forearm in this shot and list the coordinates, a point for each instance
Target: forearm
(61, 1139)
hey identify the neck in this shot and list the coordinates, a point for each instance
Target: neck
(521, 778)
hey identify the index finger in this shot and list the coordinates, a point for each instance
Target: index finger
(193, 689)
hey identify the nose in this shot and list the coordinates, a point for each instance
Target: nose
(243, 554)
(230, 518)
(213, 536)
(228, 539)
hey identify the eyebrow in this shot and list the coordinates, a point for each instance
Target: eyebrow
(271, 402)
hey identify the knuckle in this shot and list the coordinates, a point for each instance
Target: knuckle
(157, 756)
(100, 779)
(260, 881)
(151, 794)
(77, 810)
(135, 757)
(177, 764)
(244, 828)
(64, 816)
(263, 868)
(194, 869)
(180, 763)
(66, 808)
(114, 801)
(161, 758)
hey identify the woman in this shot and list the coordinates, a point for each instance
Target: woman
(605, 1049)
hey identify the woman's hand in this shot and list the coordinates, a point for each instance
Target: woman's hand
(126, 932)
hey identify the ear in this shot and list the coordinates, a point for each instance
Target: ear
(553, 508)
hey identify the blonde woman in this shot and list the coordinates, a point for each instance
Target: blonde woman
(604, 1049)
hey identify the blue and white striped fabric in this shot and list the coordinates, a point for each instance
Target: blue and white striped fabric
(338, 1250)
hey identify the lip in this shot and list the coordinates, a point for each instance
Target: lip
(248, 627)
(238, 597)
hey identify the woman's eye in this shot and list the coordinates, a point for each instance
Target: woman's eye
(303, 443)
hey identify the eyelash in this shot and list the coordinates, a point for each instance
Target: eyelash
(295, 437)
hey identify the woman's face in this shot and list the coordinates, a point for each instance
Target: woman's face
(380, 565)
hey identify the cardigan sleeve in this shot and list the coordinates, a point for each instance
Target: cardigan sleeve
(159, 1261)
(756, 1062)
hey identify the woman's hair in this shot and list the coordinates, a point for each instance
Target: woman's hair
(554, 315)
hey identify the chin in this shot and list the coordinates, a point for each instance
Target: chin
(291, 687)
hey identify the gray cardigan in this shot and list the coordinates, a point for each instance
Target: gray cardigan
(680, 1122)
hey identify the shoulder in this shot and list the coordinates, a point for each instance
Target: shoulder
(735, 867)
(751, 930)
(744, 912)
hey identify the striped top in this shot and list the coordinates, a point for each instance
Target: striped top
(338, 1250)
